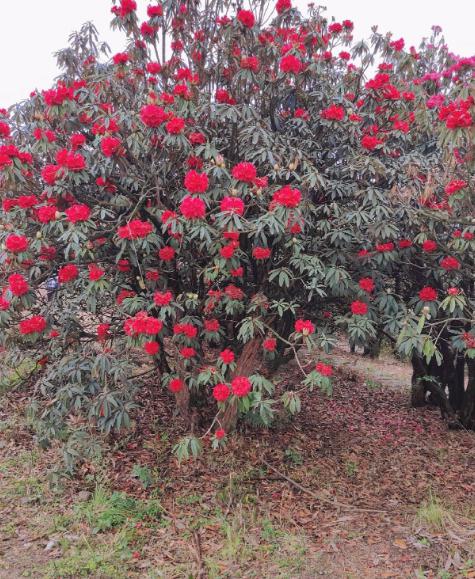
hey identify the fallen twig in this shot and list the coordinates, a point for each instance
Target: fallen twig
(320, 498)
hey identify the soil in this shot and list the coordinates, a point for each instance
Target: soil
(357, 485)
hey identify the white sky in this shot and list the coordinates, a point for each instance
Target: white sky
(32, 30)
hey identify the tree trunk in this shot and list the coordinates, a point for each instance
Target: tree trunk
(418, 391)
(246, 364)
(182, 399)
(468, 409)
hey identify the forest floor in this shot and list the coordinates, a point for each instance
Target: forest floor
(358, 485)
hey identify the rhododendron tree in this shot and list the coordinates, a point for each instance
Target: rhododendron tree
(224, 195)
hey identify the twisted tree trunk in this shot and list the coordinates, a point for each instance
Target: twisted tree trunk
(245, 366)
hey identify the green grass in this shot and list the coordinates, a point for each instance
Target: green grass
(434, 515)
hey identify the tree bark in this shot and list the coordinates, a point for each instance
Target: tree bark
(468, 409)
(246, 364)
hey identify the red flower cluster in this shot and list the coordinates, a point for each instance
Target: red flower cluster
(77, 212)
(246, 18)
(221, 392)
(95, 272)
(188, 330)
(153, 116)
(227, 356)
(245, 172)
(428, 294)
(192, 208)
(32, 325)
(449, 263)
(366, 284)
(455, 186)
(291, 64)
(287, 197)
(304, 327)
(283, 5)
(196, 182)
(135, 229)
(68, 273)
(17, 284)
(142, 323)
(359, 308)
(151, 348)
(162, 298)
(241, 386)
(324, 369)
(370, 142)
(333, 113)
(176, 385)
(269, 344)
(16, 243)
(232, 205)
(429, 245)
(261, 253)
(110, 146)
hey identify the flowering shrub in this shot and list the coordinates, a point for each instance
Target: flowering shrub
(229, 197)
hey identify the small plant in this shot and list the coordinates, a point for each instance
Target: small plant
(433, 514)
(105, 511)
(351, 468)
(292, 455)
(143, 474)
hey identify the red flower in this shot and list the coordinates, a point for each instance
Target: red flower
(304, 327)
(123, 265)
(366, 284)
(287, 197)
(16, 243)
(153, 115)
(283, 5)
(250, 63)
(220, 433)
(77, 212)
(454, 186)
(291, 63)
(211, 325)
(238, 272)
(153, 67)
(245, 172)
(221, 392)
(241, 386)
(429, 245)
(359, 308)
(46, 213)
(67, 273)
(227, 356)
(188, 352)
(405, 243)
(261, 253)
(32, 325)
(449, 263)
(222, 96)
(110, 146)
(135, 229)
(154, 11)
(232, 205)
(196, 182)
(123, 295)
(333, 113)
(370, 142)
(166, 253)
(77, 140)
(176, 385)
(189, 330)
(428, 294)
(385, 247)
(228, 251)
(234, 292)
(120, 58)
(269, 344)
(49, 174)
(95, 272)
(102, 331)
(193, 207)
(151, 347)
(453, 291)
(162, 298)
(246, 18)
(324, 369)
(142, 323)
(175, 126)
(17, 284)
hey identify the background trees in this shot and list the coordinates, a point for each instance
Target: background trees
(238, 183)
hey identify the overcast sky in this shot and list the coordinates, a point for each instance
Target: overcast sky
(33, 30)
